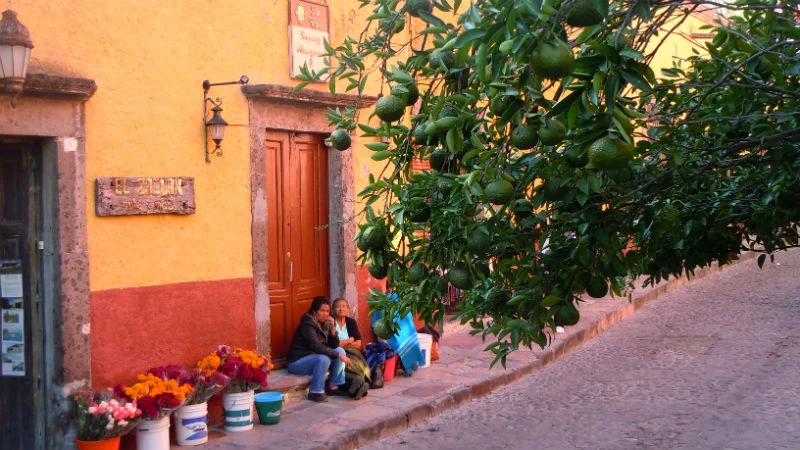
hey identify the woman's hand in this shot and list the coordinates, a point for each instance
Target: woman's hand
(345, 359)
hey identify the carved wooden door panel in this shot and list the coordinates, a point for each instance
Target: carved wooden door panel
(20, 384)
(297, 230)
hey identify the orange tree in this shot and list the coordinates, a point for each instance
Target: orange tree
(561, 163)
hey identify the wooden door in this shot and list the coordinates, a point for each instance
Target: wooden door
(20, 384)
(297, 230)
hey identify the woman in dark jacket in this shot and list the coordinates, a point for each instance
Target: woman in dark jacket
(315, 351)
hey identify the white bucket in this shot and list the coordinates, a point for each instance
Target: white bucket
(153, 434)
(191, 424)
(425, 344)
(237, 410)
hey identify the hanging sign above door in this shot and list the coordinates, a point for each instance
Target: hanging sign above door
(309, 28)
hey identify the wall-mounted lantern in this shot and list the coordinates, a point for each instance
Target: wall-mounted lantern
(215, 126)
(15, 52)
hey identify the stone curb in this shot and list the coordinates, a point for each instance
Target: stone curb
(373, 431)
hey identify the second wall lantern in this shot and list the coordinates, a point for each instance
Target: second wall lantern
(215, 125)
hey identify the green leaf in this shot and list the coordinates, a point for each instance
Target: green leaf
(368, 130)
(643, 9)
(564, 104)
(637, 80)
(380, 156)
(633, 54)
(609, 52)
(377, 146)
(468, 36)
(434, 30)
(551, 300)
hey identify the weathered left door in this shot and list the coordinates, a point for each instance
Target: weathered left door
(21, 389)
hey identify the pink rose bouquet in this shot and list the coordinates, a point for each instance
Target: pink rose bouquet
(100, 415)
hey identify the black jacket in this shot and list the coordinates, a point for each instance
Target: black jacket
(310, 338)
(352, 328)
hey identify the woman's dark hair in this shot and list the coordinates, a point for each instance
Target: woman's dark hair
(317, 303)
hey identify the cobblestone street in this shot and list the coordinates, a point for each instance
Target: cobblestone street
(713, 364)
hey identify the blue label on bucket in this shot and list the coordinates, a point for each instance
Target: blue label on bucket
(198, 435)
(188, 422)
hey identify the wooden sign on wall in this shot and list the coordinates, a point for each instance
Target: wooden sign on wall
(129, 196)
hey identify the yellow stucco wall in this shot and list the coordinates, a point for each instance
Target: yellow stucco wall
(689, 34)
(149, 60)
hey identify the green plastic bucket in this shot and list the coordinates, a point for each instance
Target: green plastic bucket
(268, 405)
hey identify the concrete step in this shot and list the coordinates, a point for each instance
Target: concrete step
(295, 387)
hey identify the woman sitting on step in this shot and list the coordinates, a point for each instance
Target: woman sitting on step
(357, 375)
(315, 351)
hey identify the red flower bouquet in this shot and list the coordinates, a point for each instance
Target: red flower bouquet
(158, 391)
(100, 415)
(206, 384)
(246, 369)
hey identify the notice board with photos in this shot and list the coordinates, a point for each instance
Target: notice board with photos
(12, 318)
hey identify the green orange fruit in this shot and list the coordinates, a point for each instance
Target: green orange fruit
(390, 108)
(609, 153)
(408, 92)
(373, 237)
(479, 242)
(393, 24)
(439, 58)
(585, 13)
(340, 139)
(417, 272)
(597, 287)
(576, 156)
(525, 137)
(419, 7)
(552, 133)
(418, 210)
(499, 192)
(460, 278)
(567, 314)
(378, 271)
(439, 159)
(552, 59)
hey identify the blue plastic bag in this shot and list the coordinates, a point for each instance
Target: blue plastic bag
(405, 342)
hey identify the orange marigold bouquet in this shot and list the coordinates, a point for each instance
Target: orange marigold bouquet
(158, 391)
(246, 369)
